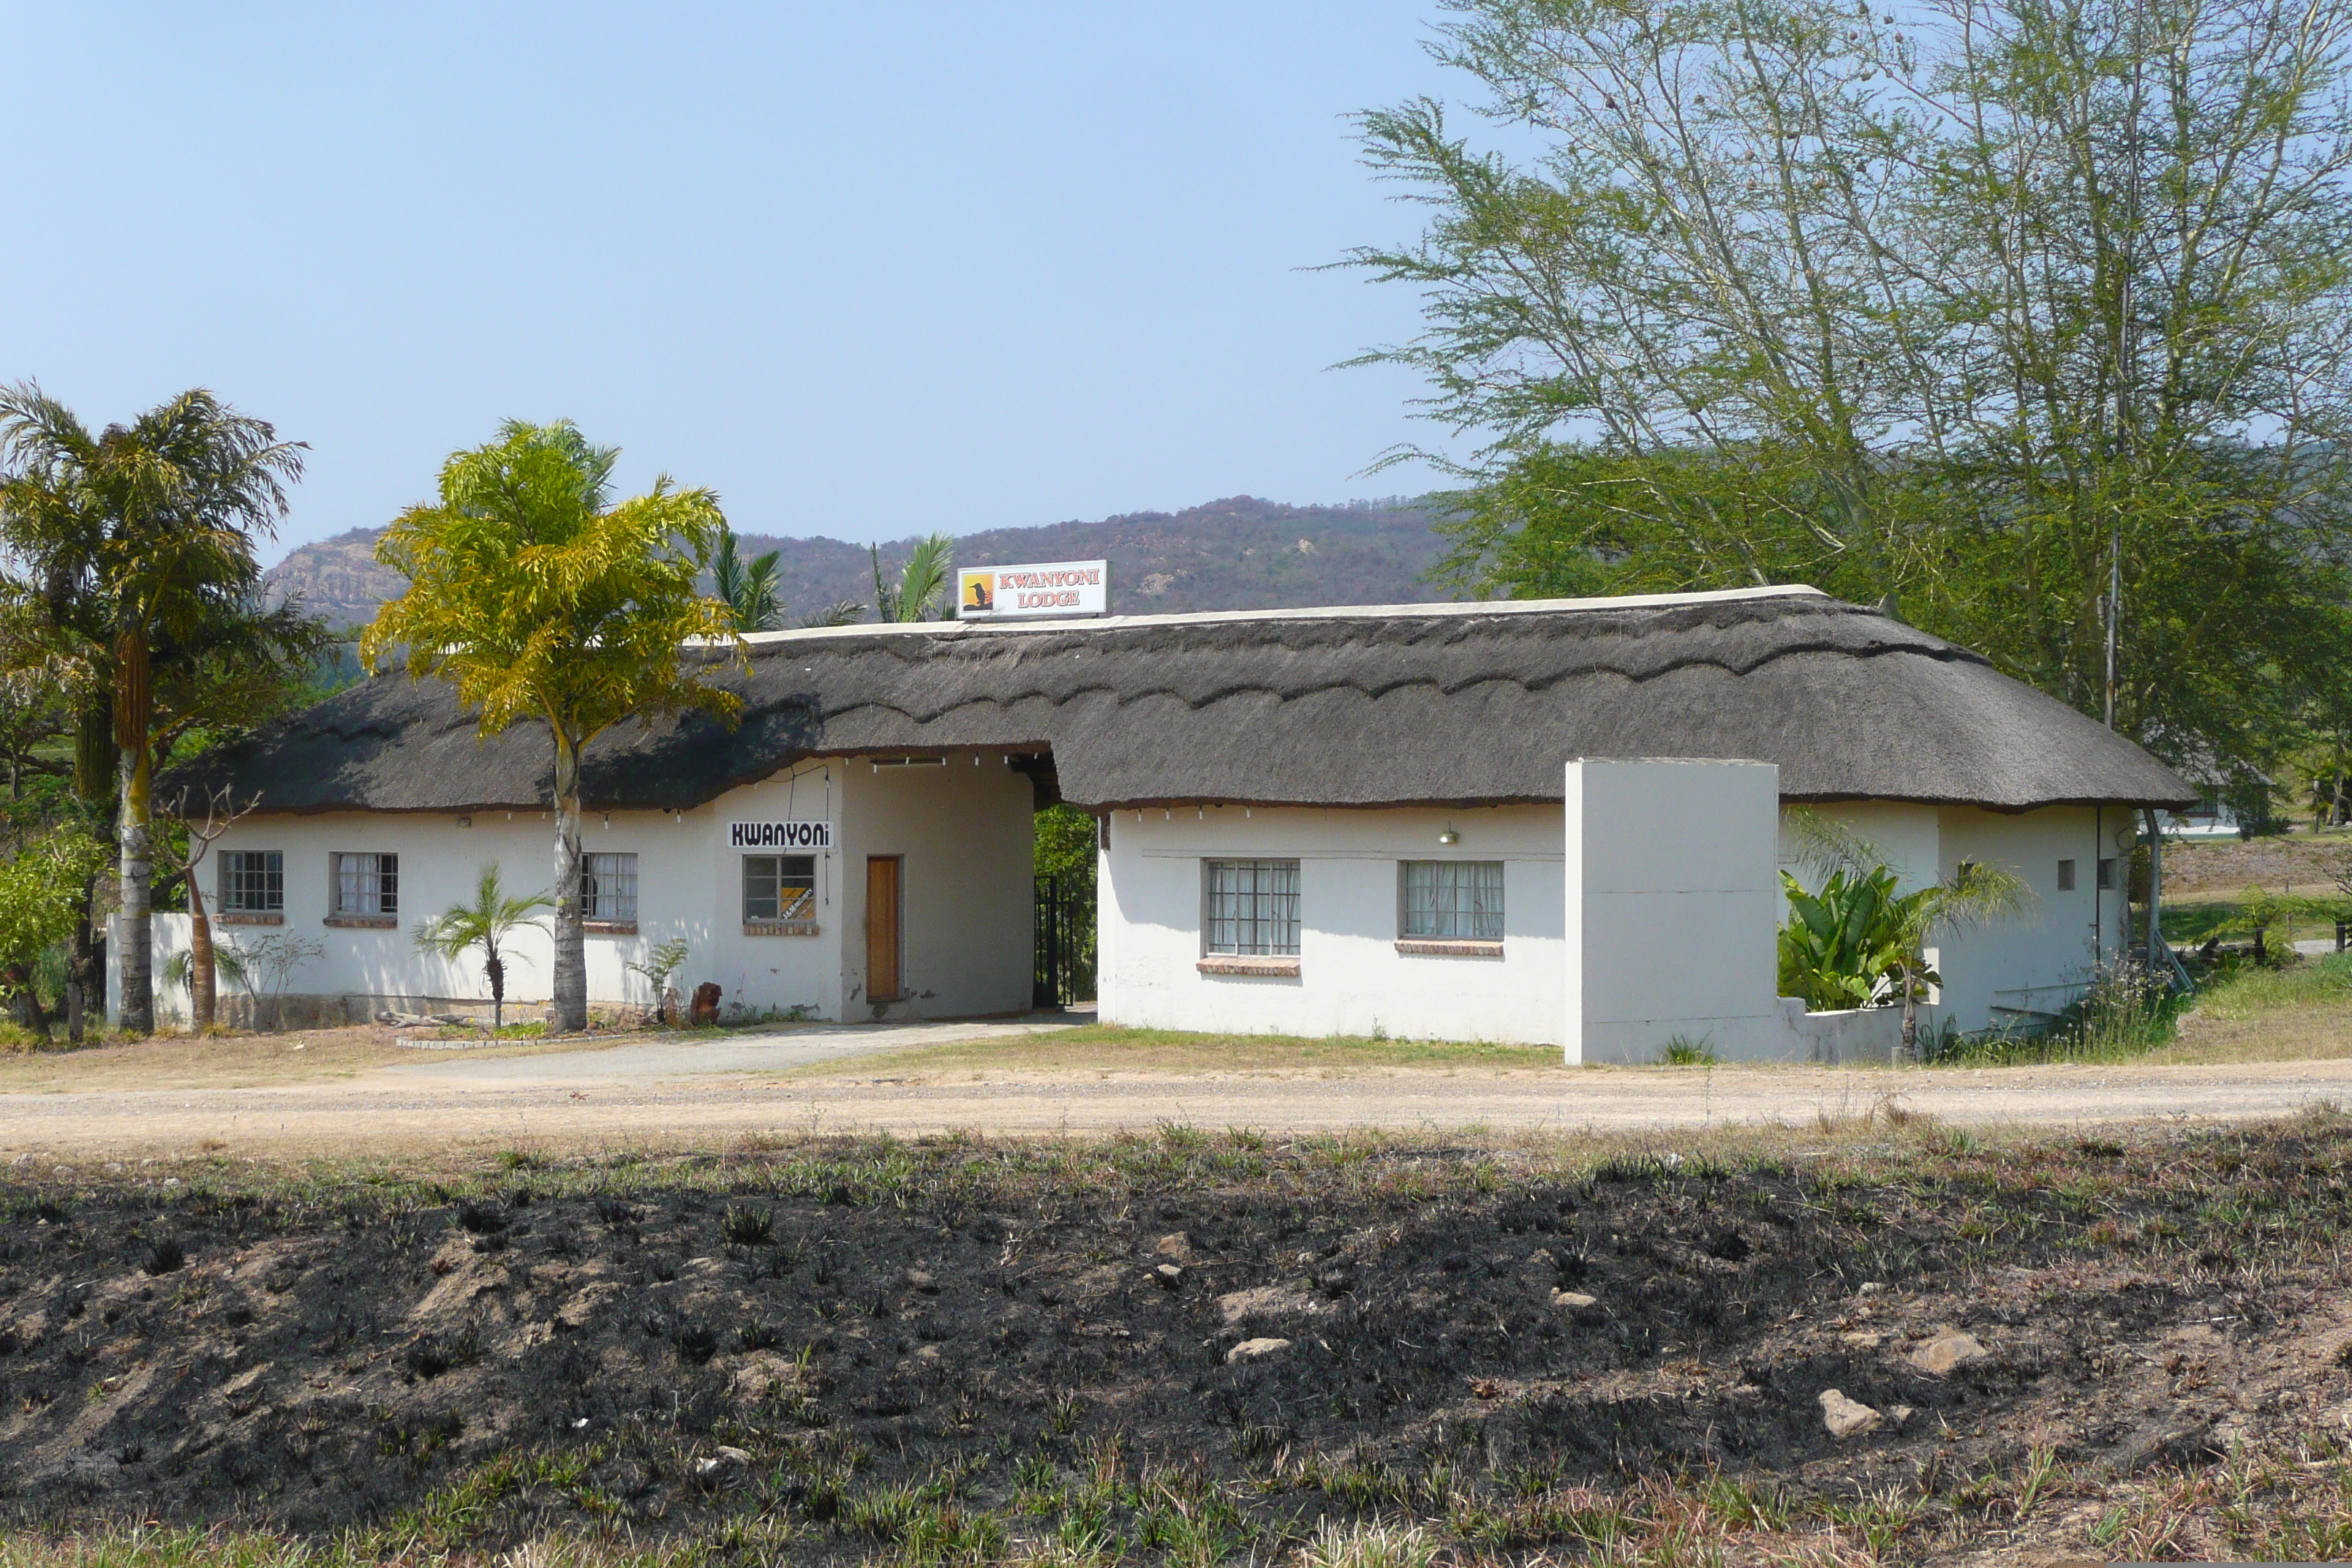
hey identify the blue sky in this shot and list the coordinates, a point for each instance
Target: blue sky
(866, 270)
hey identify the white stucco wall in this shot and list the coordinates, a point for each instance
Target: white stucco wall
(963, 830)
(2039, 963)
(965, 833)
(1672, 901)
(1351, 980)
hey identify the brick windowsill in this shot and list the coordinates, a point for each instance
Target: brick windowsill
(244, 919)
(779, 927)
(608, 928)
(1445, 947)
(1227, 964)
(364, 922)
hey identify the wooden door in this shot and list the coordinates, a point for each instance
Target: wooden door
(882, 928)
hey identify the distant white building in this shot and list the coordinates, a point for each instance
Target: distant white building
(1548, 822)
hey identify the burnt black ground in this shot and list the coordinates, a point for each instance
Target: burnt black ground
(798, 1331)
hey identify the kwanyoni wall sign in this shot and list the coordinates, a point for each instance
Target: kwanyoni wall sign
(780, 836)
(1053, 588)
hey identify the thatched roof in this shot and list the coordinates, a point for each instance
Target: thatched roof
(1452, 705)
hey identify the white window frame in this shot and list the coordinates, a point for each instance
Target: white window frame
(1260, 902)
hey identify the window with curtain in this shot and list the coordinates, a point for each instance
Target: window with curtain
(1459, 901)
(608, 887)
(1252, 907)
(367, 884)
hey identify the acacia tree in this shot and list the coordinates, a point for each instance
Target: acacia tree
(129, 543)
(536, 597)
(1993, 310)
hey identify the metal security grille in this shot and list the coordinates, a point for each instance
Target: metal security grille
(1457, 899)
(252, 881)
(779, 886)
(1066, 942)
(1253, 908)
(367, 884)
(608, 887)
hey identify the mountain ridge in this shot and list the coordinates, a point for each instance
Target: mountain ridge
(1240, 552)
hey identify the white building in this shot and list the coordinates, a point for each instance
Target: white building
(1546, 822)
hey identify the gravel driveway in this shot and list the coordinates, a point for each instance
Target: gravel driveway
(660, 1093)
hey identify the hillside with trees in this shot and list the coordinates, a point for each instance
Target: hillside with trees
(1239, 553)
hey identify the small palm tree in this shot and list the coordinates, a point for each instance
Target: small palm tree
(485, 923)
(1974, 895)
(923, 582)
(749, 587)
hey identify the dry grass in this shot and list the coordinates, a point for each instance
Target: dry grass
(1106, 1050)
(232, 1061)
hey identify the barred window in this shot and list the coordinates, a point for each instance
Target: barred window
(367, 884)
(1252, 906)
(779, 886)
(1461, 899)
(252, 881)
(608, 887)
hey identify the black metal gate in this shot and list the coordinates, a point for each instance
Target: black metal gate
(1066, 942)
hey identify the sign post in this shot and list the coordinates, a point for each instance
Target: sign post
(1027, 592)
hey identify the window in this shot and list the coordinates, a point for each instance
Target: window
(1252, 906)
(1457, 901)
(608, 888)
(367, 884)
(779, 886)
(2065, 876)
(2107, 874)
(252, 881)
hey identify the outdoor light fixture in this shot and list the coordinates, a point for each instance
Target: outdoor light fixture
(1449, 836)
(465, 822)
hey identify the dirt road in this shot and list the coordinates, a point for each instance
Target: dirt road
(656, 1095)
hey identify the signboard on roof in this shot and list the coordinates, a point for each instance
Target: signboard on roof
(1019, 593)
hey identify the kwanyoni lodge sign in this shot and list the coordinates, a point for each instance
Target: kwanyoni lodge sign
(1055, 588)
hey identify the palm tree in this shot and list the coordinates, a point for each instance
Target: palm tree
(142, 534)
(485, 923)
(538, 598)
(749, 589)
(923, 582)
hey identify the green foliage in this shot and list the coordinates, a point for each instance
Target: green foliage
(922, 585)
(1687, 1052)
(1964, 312)
(666, 959)
(1839, 944)
(41, 891)
(537, 598)
(1065, 844)
(749, 589)
(132, 586)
